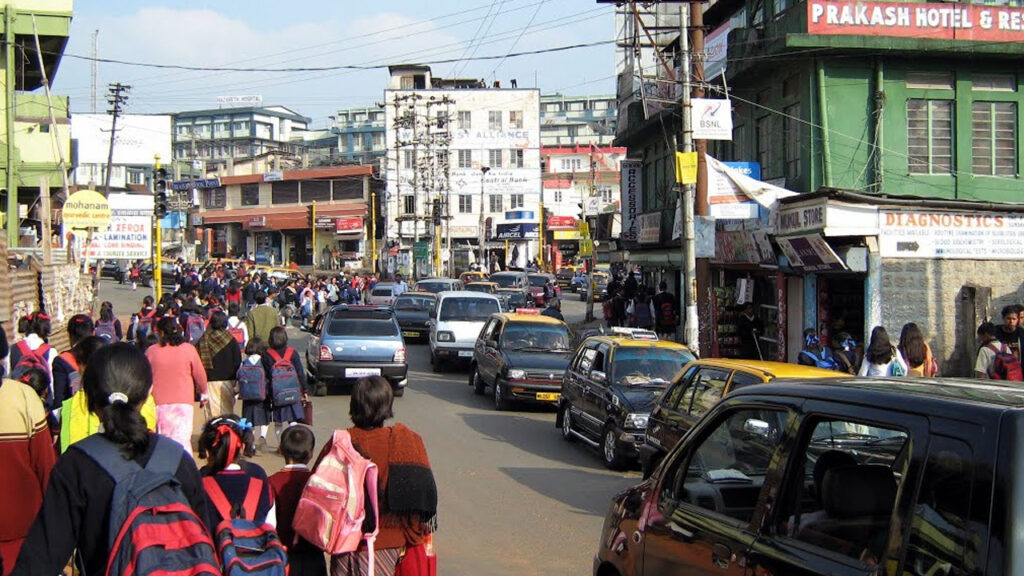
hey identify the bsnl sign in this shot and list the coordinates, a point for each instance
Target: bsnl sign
(711, 119)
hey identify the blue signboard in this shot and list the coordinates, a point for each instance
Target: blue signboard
(520, 215)
(184, 185)
(751, 169)
(520, 231)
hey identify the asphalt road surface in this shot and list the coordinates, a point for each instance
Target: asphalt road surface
(515, 498)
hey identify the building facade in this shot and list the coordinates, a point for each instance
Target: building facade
(360, 134)
(577, 120)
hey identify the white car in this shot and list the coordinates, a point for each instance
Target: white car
(383, 294)
(457, 320)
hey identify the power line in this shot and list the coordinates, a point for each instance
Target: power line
(540, 5)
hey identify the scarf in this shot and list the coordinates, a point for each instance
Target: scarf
(212, 342)
(411, 488)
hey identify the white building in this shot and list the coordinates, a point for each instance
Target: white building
(139, 138)
(473, 149)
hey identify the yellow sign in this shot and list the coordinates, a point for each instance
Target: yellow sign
(583, 228)
(566, 235)
(86, 209)
(586, 247)
(686, 167)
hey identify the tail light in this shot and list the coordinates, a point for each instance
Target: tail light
(399, 356)
(325, 353)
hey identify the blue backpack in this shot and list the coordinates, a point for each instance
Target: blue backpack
(195, 327)
(106, 331)
(148, 509)
(284, 380)
(247, 547)
(252, 382)
(826, 361)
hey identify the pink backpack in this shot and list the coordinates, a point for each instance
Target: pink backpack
(333, 505)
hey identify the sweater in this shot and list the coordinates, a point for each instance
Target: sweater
(234, 482)
(287, 487)
(76, 513)
(177, 373)
(261, 320)
(225, 363)
(26, 449)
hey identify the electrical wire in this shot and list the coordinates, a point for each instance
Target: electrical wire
(516, 41)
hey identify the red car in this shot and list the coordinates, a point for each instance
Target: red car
(537, 283)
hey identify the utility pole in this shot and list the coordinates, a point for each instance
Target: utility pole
(480, 241)
(117, 95)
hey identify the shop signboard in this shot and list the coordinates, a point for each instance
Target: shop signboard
(726, 199)
(561, 223)
(953, 21)
(421, 250)
(810, 253)
(631, 187)
(517, 231)
(650, 228)
(257, 222)
(202, 184)
(950, 235)
(86, 210)
(129, 236)
(711, 119)
(348, 224)
(325, 222)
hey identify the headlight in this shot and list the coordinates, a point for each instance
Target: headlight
(445, 337)
(636, 421)
(516, 374)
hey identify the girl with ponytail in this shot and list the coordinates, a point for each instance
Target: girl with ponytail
(76, 508)
(235, 488)
(178, 379)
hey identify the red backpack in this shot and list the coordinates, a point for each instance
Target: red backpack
(38, 358)
(1005, 366)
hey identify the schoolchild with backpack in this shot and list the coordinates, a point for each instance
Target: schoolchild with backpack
(33, 350)
(881, 358)
(297, 444)
(816, 354)
(178, 377)
(286, 380)
(99, 486)
(67, 375)
(251, 379)
(108, 326)
(142, 322)
(236, 326)
(221, 358)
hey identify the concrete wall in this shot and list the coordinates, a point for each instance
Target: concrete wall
(947, 299)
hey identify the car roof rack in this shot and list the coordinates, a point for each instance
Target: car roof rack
(634, 333)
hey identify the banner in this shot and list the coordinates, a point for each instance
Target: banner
(348, 224)
(953, 21)
(561, 223)
(950, 235)
(129, 236)
(686, 167)
(520, 231)
(631, 188)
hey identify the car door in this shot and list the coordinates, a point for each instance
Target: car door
(490, 356)
(597, 391)
(666, 409)
(575, 377)
(710, 497)
(313, 345)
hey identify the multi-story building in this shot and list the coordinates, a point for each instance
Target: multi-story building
(360, 134)
(472, 149)
(36, 125)
(577, 120)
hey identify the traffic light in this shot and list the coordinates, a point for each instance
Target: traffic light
(160, 192)
(437, 211)
(580, 215)
(310, 216)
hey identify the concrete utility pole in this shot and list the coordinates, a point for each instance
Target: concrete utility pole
(117, 95)
(480, 241)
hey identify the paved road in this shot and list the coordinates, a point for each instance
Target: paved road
(516, 499)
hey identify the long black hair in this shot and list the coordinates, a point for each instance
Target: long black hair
(912, 344)
(80, 326)
(170, 331)
(117, 382)
(224, 439)
(107, 312)
(879, 348)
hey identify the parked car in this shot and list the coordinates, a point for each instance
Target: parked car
(511, 280)
(611, 385)
(564, 276)
(838, 477)
(113, 270)
(522, 358)
(699, 386)
(513, 299)
(485, 287)
(472, 276)
(383, 294)
(458, 318)
(413, 310)
(436, 285)
(538, 281)
(349, 342)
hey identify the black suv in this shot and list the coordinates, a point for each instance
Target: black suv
(841, 477)
(611, 385)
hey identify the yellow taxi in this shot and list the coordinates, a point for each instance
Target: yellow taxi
(485, 287)
(472, 276)
(698, 387)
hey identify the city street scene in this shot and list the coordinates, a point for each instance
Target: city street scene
(512, 287)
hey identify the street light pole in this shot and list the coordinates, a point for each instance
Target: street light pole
(483, 172)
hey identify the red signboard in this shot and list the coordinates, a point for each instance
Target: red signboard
(953, 21)
(348, 224)
(561, 223)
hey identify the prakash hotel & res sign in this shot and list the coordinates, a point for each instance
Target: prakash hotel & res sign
(953, 21)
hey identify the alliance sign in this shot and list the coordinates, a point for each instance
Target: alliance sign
(953, 21)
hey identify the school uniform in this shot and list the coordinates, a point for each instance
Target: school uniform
(303, 557)
(234, 481)
(290, 412)
(256, 411)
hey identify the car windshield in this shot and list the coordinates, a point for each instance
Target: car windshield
(432, 286)
(536, 337)
(637, 366)
(565, 273)
(539, 281)
(361, 325)
(467, 309)
(384, 291)
(478, 288)
(413, 303)
(504, 280)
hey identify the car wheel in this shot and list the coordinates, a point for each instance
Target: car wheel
(398, 392)
(610, 449)
(479, 386)
(435, 362)
(500, 402)
(567, 433)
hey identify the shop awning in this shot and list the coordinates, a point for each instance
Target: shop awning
(291, 217)
(810, 253)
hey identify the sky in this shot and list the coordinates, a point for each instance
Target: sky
(319, 33)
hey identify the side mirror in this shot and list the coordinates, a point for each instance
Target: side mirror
(598, 376)
(758, 428)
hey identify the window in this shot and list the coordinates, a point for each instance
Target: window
(494, 120)
(743, 379)
(843, 492)
(994, 83)
(675, 393)
(408, 160)
(516, 157)
(441, 118)
(515, 201)
(930, 80)
(705, 390)
(494, 158)
(441, 160)
(214, 198)
(464, 120)
(409, 204)
(575, 106)
(284, 192)
(465, 204)
(993, 138)
(558, 196)
(762, 129)
(494, 202)
(515, 120)
(571, 164)
(465, 158)
(250, 194)
(378, 140)
(930, 136)
(347, 189)
(319, 190)
(791, 134)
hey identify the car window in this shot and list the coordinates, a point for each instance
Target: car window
(488, 330)
(539, 281)
(467, 309)
(601, 359)
(418, 303)
(505, 280)
(365, 327)
(675, 393)
(585, 361)
(724, 471)
(706, 389)
(744, 379)
(648, 364)
(841, 489)
(539, 337)
(381, 291)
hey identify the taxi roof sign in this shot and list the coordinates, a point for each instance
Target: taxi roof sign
(634, 333)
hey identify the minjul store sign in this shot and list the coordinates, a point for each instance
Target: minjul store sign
(940, 21)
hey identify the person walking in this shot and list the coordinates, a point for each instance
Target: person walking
(408, 503)
(221, 358)
(882, 358)
(275, 362)
(916, 352)
(988, 346)
(76, 508)
(554, 310)
(262, 319)
(749, 328)
(666, 311)
(297, 444)
(108, 326)
(178, 374)
(641, 310)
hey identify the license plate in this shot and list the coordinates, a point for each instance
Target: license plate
(549, 396)
(360, 372)
(465, 353)
(411, 334)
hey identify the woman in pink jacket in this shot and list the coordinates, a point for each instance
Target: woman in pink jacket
(178, 375)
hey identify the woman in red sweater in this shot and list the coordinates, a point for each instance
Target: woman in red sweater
(178, 375)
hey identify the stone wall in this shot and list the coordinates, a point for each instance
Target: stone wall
(948, 299)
